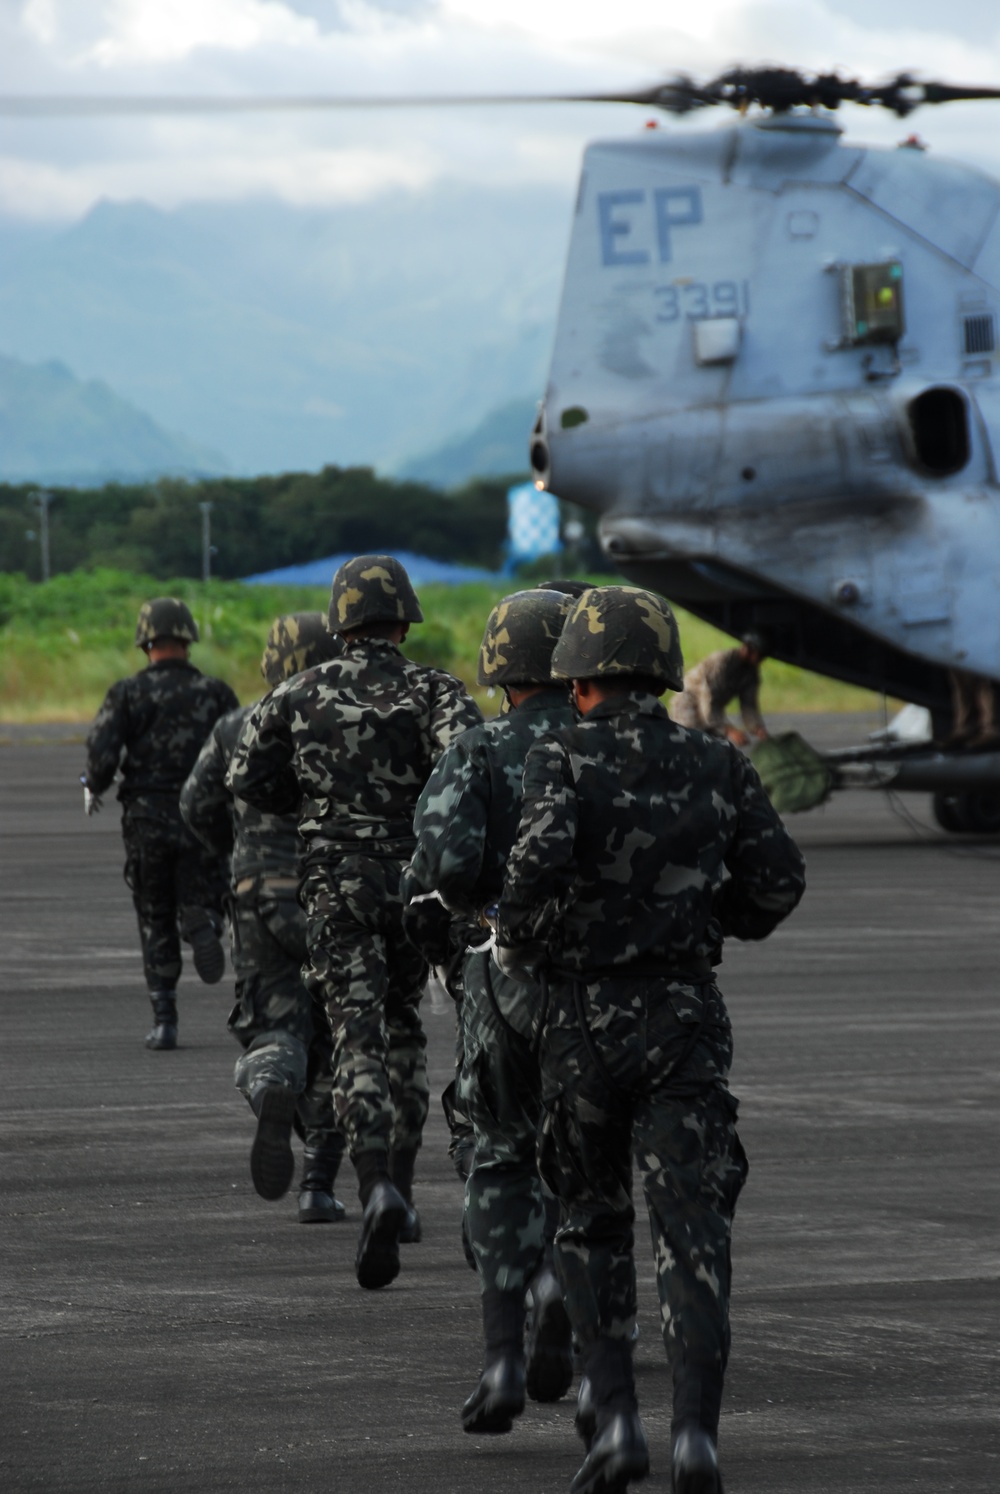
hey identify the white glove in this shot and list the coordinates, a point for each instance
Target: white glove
(91, 802)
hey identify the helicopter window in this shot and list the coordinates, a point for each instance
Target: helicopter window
(872, 302)
(940, 428)
(980, 334)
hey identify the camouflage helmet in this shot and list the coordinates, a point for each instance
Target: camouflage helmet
(620, 630)
(521, 633)
(566, 586)
(372, 588)
(165, 617)
(297, 641)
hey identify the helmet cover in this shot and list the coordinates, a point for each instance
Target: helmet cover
(616, 630)
(164, 617)
(372, 588)
(297, 641)
(521, 632)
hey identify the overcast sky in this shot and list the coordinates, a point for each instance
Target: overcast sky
(56, 169)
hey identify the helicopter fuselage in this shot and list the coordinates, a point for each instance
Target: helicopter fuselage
(773, 376)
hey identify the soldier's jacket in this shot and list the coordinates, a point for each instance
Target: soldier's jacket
(469, 811)
(629, 826)
(712, 684)
(349, 744)
(260, 843)
(153, 725)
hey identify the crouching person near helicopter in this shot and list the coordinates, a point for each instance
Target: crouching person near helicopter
(617, 892)
(285, 1069)
(465, 824)
(732, 673)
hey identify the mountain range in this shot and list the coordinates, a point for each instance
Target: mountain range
(290, 338)
(497, 447)
(56, 429)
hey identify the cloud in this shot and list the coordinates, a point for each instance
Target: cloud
(56, 168)
(140, 32)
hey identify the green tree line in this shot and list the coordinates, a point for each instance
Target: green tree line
(258, 524)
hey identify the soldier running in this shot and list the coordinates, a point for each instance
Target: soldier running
(710, 686)
(285, 1069)
(617, 888)
(152, 727)
(466, 822)
(349, 745)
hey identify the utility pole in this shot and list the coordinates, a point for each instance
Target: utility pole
(42, 500)
(206, 541)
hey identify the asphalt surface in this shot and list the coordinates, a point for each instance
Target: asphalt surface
(165, 1329)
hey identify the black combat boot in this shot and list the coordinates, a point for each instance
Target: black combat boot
(618, 1453)
(694, 1466)
(163, 1033)
(318, 1203)
(401, 1171)
(499, 1396)
(272, 1165)
(585, 1420)
(201, 930)
(549, 1339)
(377, 1261)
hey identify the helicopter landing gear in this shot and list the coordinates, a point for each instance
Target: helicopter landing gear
(971, 814)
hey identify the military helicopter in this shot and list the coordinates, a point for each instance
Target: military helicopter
(773, 378)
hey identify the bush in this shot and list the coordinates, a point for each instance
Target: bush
(258, 524)
(64, 643)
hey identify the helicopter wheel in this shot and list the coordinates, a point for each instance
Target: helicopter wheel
(973, 814)
(945, 810)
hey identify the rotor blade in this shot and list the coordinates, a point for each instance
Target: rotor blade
(44, 106)
(779, 89)
(946, 93)
(904, 94)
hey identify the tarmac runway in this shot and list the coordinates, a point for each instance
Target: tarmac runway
(164, 1329)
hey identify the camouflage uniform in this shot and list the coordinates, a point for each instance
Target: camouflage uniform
(466, 822)
(283, 1031)
(153, 726)
(617, 877)
(711, 685)
(349, 745)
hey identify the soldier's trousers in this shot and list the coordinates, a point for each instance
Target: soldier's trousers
(282, 1029)
(370, 979)
(638, 1067)
(167, 870)
(500, 1091)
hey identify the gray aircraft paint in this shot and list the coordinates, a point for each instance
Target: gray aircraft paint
(790, 460)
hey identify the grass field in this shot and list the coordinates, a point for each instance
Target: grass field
(66, 641)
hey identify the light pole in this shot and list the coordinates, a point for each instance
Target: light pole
(42, 500)
(573, 533)
(206, 541)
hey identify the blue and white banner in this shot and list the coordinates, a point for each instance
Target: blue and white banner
(532, 523)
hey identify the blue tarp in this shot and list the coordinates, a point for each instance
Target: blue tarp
(421, 569)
